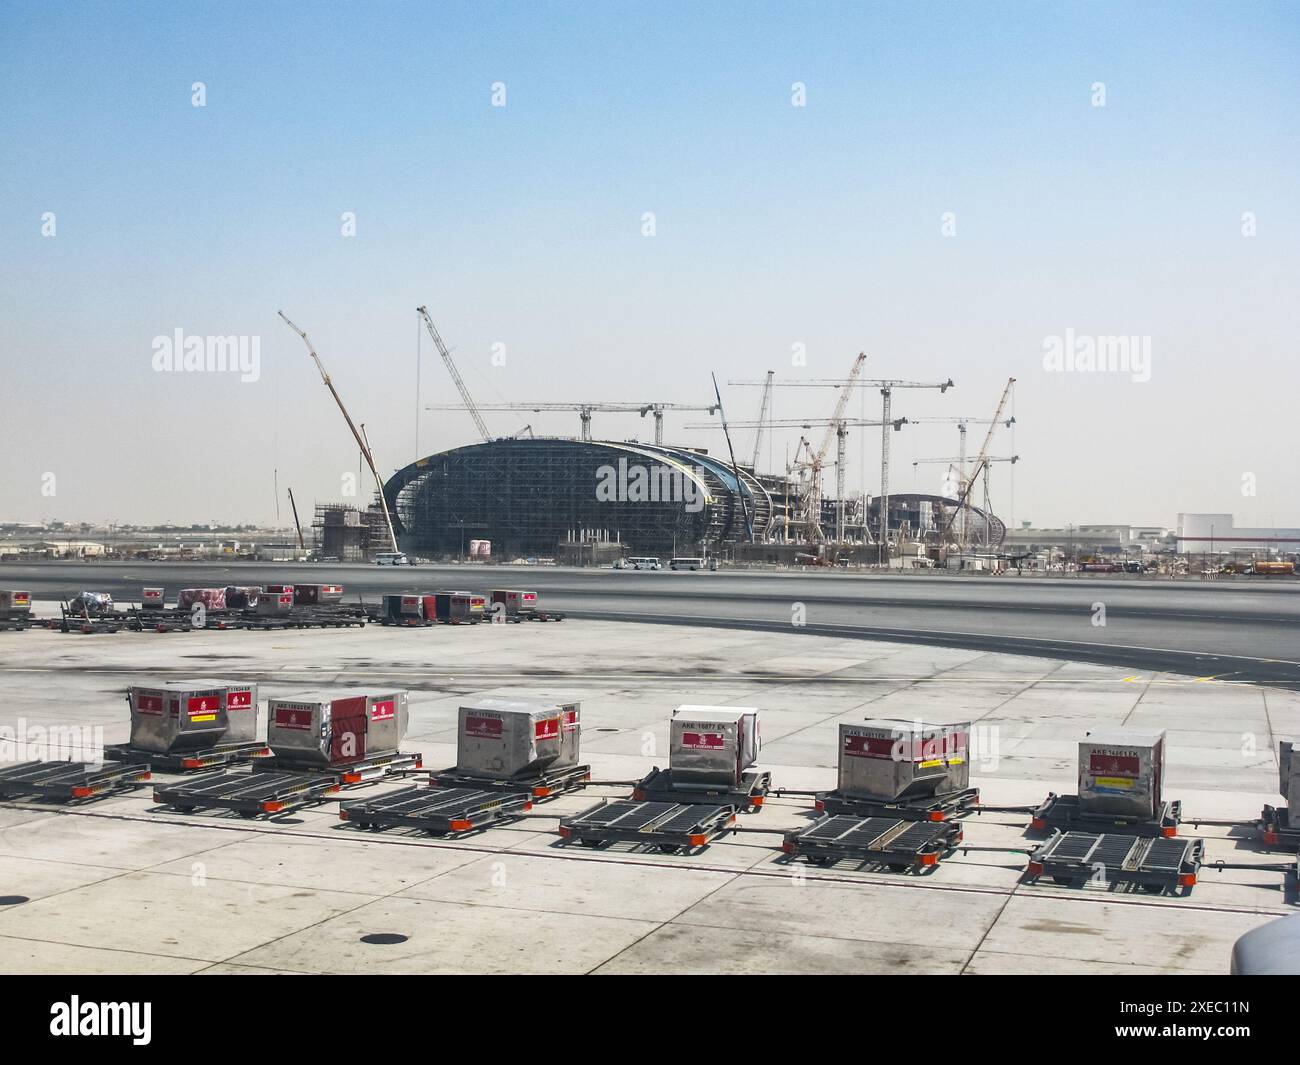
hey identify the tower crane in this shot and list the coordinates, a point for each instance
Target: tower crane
(887, 388)
(962, 424)
(423, 312)
(585, 409)
(361, 443)
(980, 464)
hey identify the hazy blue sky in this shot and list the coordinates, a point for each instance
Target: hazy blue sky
(521, 225)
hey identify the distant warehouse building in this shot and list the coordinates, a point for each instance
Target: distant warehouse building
(1219, 533)
(543, 497)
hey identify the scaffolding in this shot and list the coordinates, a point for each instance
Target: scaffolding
(541, 497)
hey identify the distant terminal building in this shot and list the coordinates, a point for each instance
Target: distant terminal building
(1198, 533)
(552, 497)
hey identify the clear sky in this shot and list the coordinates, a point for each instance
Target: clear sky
(775, 225)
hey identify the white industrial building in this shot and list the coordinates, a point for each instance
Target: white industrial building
(1200, 533)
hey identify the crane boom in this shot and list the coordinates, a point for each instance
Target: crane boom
(365, 448)
(302, 544)
(762, 417)
(423, 312)
(980, 462)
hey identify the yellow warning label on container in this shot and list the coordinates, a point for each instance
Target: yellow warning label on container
(932, 763)
(205, 717)
(1113, 782)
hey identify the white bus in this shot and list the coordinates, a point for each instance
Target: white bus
(686, 563)
(644, 562)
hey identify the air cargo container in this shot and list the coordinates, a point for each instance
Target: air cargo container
(389, 716)
(178, 716)
(270, 602)
(514, 601)
(334, 728)
(456, 607)
(317, 594)
(570, 735)
(890, 760)
(153, 599)
(1120, 773)
(1289, 775)
(319, 729)
(241, 710)
(211, 598)
(507, 738)
(15, 603)
(712, 746)
(406, 608)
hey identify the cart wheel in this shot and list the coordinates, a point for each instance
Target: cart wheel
(897, 867)
(1153, 889)
(668, 848)
(1064, 881)
(590, 842)
(250, 814)
(820, 859)
(183, 809)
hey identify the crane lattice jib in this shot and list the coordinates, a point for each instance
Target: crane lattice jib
(455, 374)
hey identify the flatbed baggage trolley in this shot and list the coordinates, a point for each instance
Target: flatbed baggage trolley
(249, 794)
(1158, 864)
(223, 754)
(899, 844)
(1276, 830)
(69, 781)
(546, 785)
(373, 767)
(1062, 812)
(154, 619)
(274, 787)
(657, 786)
(108, 621)
(15, 623)
(438, 811)
(942, 807)
(669, 826)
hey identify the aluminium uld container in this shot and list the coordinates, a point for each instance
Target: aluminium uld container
(514, 600)
(15, 603)
(1288, 771)
(1121, 773)
(889, 760)
(153, 598)
(570, 734)
(317, 594)
(454, 606)
(270, 603)
(241, 708)
(319, 729)
(712, 746)
(507, 738)
(403, 607)
(177, 715)
(323, 729)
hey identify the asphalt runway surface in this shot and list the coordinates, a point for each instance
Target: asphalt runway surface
(1239, 630)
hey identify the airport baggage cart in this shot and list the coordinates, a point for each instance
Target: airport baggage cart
(899, 844)
(374, 767)
(253, 794)
(85, 621)
(658, 786)
(438, 811)
(158, 619)
(189, 761)
(1157, 864)
(668, 826)
(943, 807)
(1065, 813)
(1276, 830)
(69, 781)
(543, 785)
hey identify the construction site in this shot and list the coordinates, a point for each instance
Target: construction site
(537, 496)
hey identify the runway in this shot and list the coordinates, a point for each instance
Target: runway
(1230, 630)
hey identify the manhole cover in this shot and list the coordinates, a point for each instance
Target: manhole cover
(12, 900)
(383, 939)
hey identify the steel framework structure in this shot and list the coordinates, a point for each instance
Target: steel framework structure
(530, 496)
